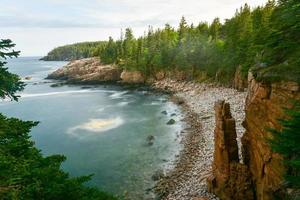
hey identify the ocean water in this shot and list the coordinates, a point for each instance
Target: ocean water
(102, 130)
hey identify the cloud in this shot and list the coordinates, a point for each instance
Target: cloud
(112, 13)
(37, 26)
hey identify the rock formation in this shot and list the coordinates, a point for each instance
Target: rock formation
(89, 70)
(134, 77)
(230, 179)
(264, 106)
(261, 174)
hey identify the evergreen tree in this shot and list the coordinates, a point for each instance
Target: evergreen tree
(24, 172)
(9, 83)
(215, 29)
(286, 142)
(265, 39)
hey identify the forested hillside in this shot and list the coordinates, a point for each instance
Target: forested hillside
(75, 51)
(264, 38)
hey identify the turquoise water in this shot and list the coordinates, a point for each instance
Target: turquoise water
(102, 130)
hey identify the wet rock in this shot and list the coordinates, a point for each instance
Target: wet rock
(173, 114)
(171, 122)
(148, 190)
(157, 175)
(28, 78)
(57, 85)
(150, 140)
(164, 112)
(86, 87)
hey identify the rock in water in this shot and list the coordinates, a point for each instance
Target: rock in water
(157, 175)
(150, 140)
(171, 122)
(164, 112)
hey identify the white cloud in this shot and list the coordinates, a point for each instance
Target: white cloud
(38, 26)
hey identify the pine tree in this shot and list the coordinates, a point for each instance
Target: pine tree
(286, 142)
(215, 29)
(9, 83)
(182, 28)
(24, 172)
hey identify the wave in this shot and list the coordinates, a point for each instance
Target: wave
(153, 103)
(24, 95)
(117, 95)
(124, 103)
(96, 126)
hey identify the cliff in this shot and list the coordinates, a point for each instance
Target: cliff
(261, 168)
(264, 106)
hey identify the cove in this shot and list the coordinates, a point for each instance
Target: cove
(102, 130)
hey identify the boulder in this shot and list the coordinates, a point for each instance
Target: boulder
(171, 122)
(158, 175)
(164, 112)
(133, 77)
(150, 140)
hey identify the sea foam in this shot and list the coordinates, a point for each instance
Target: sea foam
(96, 126)
(25, 95)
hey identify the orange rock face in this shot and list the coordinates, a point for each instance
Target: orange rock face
(262, 170)
(264, 106)
(231, 179)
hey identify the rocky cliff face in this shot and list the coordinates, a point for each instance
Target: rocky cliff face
(230, 179)
(264, 106)
(262, 169)
(89, 70)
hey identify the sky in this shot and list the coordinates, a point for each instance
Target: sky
(37, 26)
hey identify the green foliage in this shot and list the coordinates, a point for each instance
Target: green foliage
(266, 38)
(24, 172)
(286, 142)
(283, 43)
(76, 51)
(9, 83)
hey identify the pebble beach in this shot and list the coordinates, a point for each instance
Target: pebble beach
(187, 180)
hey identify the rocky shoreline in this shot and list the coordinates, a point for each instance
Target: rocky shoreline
(188, 178)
